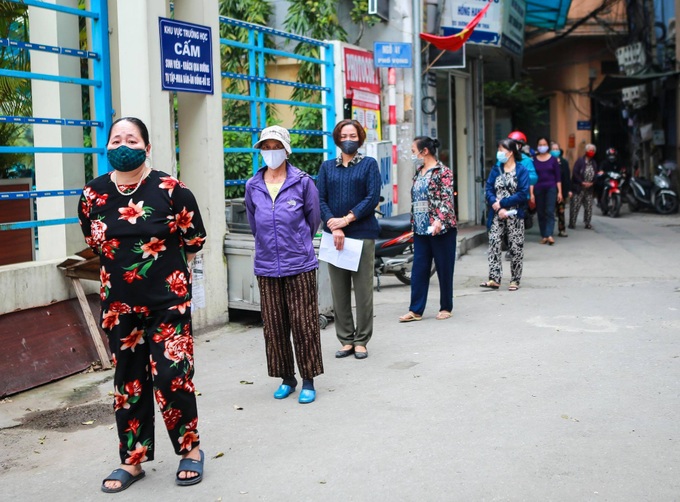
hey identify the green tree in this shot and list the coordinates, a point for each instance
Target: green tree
(360, 16)
(522, 98)
(236, 60)
(316, 19)
(15, 93)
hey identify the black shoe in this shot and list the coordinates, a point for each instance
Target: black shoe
(571, 226)
(344, 353)
(361, 355)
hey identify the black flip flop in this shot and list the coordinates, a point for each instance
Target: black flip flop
(190, 465)
(125, 479)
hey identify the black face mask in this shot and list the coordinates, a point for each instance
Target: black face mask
(349, 147)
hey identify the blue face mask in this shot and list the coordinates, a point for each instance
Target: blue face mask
(555, 153)
(501, 157)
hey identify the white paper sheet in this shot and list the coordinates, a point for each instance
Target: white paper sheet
(348, 258)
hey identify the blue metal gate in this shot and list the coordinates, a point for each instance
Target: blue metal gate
(258, 99)
(99, 81)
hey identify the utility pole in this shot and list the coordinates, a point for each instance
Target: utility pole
(417, 6)
(677, 90)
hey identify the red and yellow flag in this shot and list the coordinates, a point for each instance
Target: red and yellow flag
(455, 42)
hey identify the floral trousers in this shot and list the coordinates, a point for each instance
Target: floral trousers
(585, 198)
(513, 228)
(154, 359)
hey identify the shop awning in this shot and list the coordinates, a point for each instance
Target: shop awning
(614, 83)
(547, 14)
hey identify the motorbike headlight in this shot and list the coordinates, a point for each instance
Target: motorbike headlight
(661, 182)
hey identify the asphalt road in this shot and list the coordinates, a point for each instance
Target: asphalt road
(568, 389)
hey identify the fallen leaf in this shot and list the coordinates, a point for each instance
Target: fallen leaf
(197, 393)
(243, 493)
(237, 407)
(89, 422)
(220, 454)
(245, 382)
(322, 482)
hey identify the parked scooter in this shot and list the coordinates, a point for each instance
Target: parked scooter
(610, 200)
(394, 248)
(655, 194)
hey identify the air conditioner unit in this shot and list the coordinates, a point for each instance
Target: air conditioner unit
(636, 96)
(380, 8)
(631, 58)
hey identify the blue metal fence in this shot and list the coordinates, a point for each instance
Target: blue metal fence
(257, 97)
(100, 83)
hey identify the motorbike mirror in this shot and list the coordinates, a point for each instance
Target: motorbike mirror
(670, 165)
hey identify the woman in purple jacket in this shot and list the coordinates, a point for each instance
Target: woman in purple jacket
(282, 205)
(548, 189)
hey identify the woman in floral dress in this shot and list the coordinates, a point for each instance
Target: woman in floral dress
(146, 227)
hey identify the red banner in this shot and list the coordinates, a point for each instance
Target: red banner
(455, 42)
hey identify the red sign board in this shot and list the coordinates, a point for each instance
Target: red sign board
(360, 72)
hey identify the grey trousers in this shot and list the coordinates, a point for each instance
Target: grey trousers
(347, 331)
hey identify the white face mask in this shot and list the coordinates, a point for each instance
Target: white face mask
(273, 159)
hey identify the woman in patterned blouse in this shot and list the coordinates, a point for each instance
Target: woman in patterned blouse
(146, 228)
(434, 229)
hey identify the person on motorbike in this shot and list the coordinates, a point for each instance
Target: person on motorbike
(610, 164)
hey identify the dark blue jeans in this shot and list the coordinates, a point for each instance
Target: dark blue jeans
(441, 248)
(546, 198)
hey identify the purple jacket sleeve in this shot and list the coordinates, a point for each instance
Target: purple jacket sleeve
(250, 208)
(312, 207)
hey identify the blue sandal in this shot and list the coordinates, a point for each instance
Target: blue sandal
(122, 476)
(190, 465)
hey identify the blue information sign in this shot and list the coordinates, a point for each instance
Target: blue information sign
(583, 125)
(392, 54)
(186, 56)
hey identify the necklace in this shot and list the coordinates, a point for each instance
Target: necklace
(114, 178)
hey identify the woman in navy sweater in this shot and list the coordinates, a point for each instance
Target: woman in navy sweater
(349, 191)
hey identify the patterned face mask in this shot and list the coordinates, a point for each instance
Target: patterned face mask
(126, 159)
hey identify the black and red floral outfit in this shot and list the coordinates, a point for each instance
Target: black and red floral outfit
(142, 239)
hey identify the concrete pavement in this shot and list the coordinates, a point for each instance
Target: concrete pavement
(568, 389)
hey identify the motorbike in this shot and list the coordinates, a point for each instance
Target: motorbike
(657, 194)
(610, 199)
(394, 248)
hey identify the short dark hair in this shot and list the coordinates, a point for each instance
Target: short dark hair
(357, 125)
(512, 146)
(423, 142)
(143, 131)
(543, 137)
